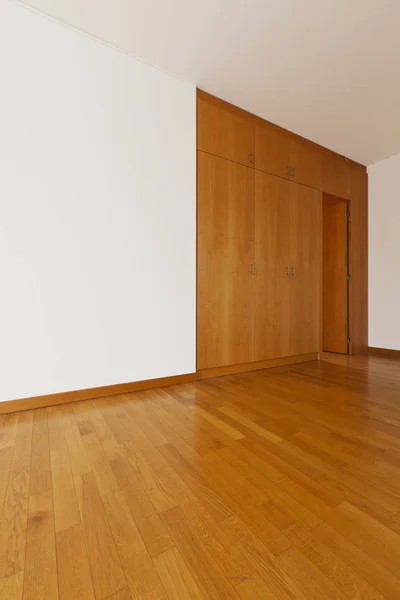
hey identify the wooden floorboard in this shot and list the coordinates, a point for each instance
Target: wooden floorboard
(278, 484)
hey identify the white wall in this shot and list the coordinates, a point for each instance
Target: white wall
(384, 253)
(97, 213)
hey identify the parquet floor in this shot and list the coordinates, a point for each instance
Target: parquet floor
(268, 485)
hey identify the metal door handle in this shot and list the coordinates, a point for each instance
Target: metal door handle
(293, 171)
(288, 271)
(293, 271)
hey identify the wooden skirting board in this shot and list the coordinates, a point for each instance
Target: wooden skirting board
(125, 388)
(255, 366)
(384, 352)
(91, 393)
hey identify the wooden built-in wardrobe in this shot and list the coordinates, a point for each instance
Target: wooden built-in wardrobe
(259, 262)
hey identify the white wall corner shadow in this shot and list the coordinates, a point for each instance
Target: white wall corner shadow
(97, 213)
(384, 253)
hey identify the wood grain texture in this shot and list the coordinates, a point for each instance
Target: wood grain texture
(66, 510)
(8, 428)
(281, 483)
(306, 284)
(255, 588)
(12, 406)
(334, 274)
(306, 160)
(40, 480)
(121, 595)
(208, 575)
(139, 569)
(273, 267)
(105, 565)
(146, 517)
(358, 260)
(255, 366)
(14, 518)
(74, 576)
(176, 577)
(336, 178)
(6, 455)
(225, 305)
(11, 588)
(40, 579)
(272, 149)
(224, 131)
(384, 352)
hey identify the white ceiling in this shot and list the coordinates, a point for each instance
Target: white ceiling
(326, 69)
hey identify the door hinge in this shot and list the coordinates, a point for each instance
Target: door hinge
(348, 277)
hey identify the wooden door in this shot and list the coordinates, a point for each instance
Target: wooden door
(272, 146)
(306, 234)
(335, 174)
(225, 307)
(305, 162)
(272, 280)
(224, 131)
(334, 275)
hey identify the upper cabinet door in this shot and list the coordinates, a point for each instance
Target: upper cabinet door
(225, 250)
(224, 132)
(335, 174)
(305, 162)
(272, 149)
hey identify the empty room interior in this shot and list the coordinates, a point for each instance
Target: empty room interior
(200, 296)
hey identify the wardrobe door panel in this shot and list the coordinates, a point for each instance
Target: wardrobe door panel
(306, 249)
(225, 306)
(272, 149)
(225, 132)
(272, 281)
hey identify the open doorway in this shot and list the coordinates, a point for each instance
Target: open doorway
(335, 275)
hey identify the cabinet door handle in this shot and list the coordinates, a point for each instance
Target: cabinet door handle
(253, 268)
(288, 170)
(293, 271)
(288, 271)
(293, 171)
(252, 157)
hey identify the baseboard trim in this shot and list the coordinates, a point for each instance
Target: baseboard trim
(92, 393)
(13, 406)
(255, 366)
(384, 352)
